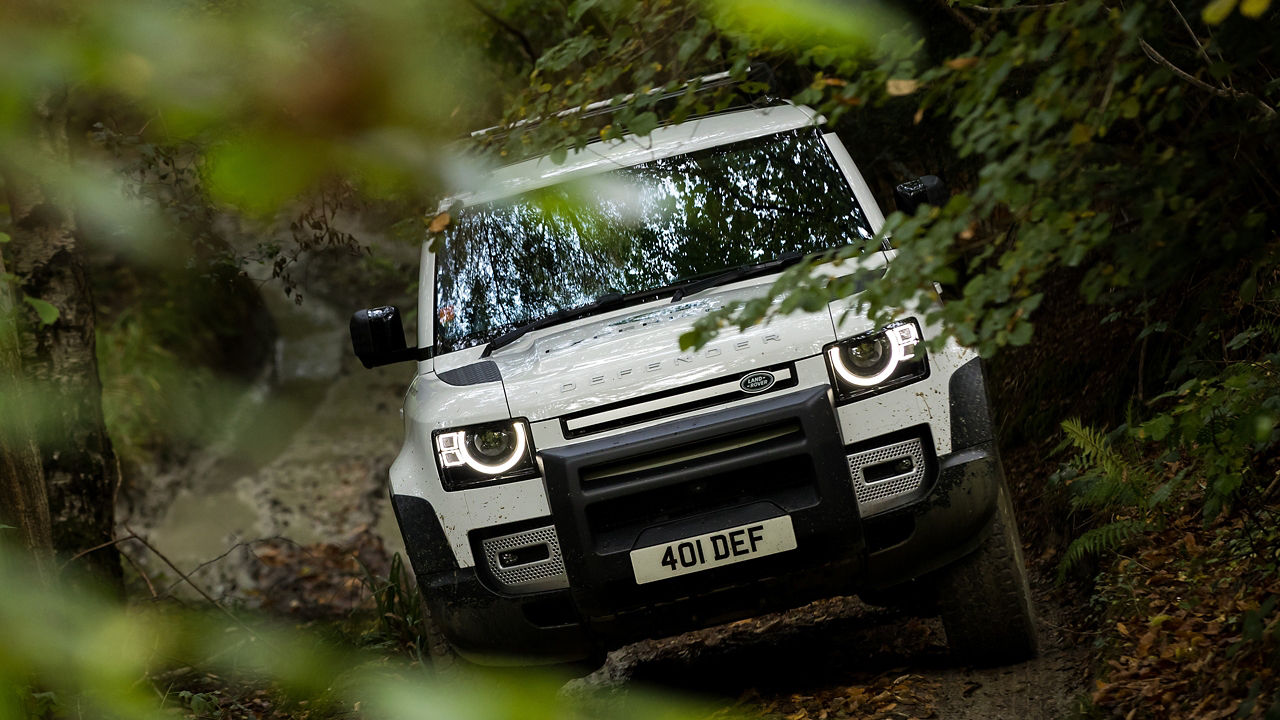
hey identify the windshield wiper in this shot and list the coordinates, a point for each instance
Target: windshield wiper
(608, 301)
(742, 272)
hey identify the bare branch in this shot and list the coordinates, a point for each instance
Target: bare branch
(960, 17)
(1015, 8)
(525, 45)
(1159, 59)
(1192, 33)
(192, 583)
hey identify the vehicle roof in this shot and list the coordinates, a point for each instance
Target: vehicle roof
(598, 157)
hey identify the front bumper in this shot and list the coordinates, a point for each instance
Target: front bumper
(606, 502)
(488, 625)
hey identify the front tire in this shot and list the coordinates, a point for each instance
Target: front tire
(444, 659)
(985, 600)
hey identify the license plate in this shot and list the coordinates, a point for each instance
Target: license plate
(723, 547)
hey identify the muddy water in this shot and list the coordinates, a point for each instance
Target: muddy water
(303, 456)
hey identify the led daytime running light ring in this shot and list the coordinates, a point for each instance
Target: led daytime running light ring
(898, 355)
(517, 455)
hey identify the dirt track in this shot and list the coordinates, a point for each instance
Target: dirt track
(840, 658)
(832, 659)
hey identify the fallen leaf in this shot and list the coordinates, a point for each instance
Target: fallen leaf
(901, 86)
(439, 223)
(962, 63)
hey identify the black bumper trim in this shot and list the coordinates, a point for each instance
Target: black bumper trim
(490, 627)
(971, 422)
(424, 541)
(816, 493)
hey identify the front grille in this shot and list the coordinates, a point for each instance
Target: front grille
(634, 411)
(700, 477)
(536, 560)
(884, 477)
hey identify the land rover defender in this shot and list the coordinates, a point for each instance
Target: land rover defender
(571, 480)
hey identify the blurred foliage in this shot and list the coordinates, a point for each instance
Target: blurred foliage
(69, 654)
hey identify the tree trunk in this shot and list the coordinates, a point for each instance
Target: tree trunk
(24, 504)
(58, 360)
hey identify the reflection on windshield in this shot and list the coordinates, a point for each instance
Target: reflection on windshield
(638, 228)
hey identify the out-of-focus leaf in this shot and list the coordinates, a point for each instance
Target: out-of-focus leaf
(439, 223)
(1217, 11)
(842, 27)
(901, 86)
(641, 124)
(47, 312)
(259, 173)
(1080, 134)
(1254, 8)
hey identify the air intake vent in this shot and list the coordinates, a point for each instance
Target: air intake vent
(527, 561)
(886, 477)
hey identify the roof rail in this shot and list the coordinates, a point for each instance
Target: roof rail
(605, 107)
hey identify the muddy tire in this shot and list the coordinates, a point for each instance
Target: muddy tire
(444, 658)
(985, 600)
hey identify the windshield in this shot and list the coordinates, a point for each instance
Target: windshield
(638, 228)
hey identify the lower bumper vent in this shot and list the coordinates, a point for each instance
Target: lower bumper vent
(527, 561)
(885, 477)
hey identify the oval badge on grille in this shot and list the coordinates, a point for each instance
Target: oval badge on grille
(756, 382)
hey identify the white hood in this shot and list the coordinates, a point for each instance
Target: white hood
(634, 352)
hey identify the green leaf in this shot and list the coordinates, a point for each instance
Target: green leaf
(1158, 427)
(1080, 134)
(1130, 108)
(1217, 11)
(559, 154)
(4, 238)
(47, 312)
(1249, 289)
(643, 124)
(260, 173)
(1254, 8)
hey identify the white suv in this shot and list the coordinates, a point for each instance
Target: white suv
(571, 480)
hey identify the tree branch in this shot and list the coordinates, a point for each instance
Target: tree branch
(1159, 59)
(525, 45)
(1015, 8)
(960, 17)
(1192, 33)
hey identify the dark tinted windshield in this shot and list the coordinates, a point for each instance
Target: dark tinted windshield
(638, 228)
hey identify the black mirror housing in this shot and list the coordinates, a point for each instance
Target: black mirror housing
(927, 190)
(377, 336)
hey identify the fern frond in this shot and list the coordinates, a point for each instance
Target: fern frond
(1122, 483)
(1098, 541)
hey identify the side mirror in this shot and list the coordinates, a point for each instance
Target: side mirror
(927, 190)
(377, 336)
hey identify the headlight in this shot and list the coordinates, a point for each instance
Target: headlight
(485, 454)
(877, 361)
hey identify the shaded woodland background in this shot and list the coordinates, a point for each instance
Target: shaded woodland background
(1110, 244)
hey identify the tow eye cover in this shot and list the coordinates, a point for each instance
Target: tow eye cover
(756, 382)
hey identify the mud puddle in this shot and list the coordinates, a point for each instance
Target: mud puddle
(303, 460)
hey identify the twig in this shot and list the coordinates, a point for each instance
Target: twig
(960, 17)
(525, 45)
(95, 548)
(1191, 32)
(190, 582)
(1015, 8)
(1220, 92)
(246, 543)
(141, 574)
